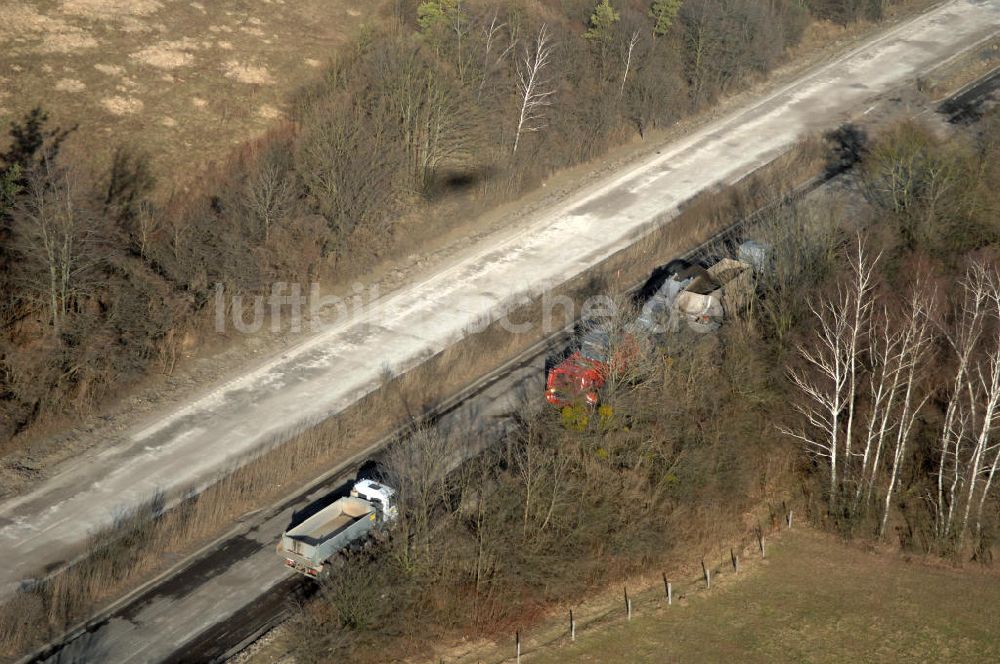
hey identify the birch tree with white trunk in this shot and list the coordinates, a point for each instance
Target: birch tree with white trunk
(629, 51)
(968, 454)
(883, 388)
(823, 386)
(535, 90)
(862, 270)
(914, 344)
(990, 386)
(964, 339)
(829, 381)
(494, 50)
(983, 388)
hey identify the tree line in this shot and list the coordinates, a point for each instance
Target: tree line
(897, 381)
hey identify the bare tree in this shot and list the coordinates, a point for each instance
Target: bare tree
(968, 458)
(833, 361)
(862, 280)
(267, 196)
(494, 52)
(883, 389)
(349, 168)
(459, 27)
(983, 389)
(632, 42)
(923, 186)
(824, 388)
(964, 340)
(478, 479)
(913, 348)
(418, 468)
(424, 106)
(540, 469)
(702, 45)
(803, 243)
(57, 238)
(989, 384)
(534, 89)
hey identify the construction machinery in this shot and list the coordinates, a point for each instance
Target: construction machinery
(690, 295)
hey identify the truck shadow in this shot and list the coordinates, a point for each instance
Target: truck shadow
(656, 279)
(298, 516)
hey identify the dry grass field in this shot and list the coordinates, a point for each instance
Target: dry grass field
(813, 600)
(183, 80)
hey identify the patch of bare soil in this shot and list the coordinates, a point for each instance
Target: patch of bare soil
(70, 85)
(168, 54)
(248, 73)
(109, 9)
(122, 105)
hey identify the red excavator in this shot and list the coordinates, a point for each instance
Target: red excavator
(577, 377)
(581, 375)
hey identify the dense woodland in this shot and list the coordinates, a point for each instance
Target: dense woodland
(860, 384)
(103, 278)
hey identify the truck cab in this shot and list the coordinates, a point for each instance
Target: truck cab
(379, 495)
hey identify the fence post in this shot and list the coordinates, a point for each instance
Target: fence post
(670, 594)
(517, 637)
(789, 519)
(736, 560)
(572, 626)
(628, 603)
(708, 575)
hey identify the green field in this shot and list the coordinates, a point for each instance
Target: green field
(813, 600)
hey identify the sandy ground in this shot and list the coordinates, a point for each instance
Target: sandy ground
(331, 369)
(182, 79)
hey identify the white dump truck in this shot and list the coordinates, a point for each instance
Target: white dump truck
(310, 545)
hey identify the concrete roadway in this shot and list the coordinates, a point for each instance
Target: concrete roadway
(191, 445)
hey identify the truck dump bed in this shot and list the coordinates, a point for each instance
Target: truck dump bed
(329, 525)
(307, 546)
